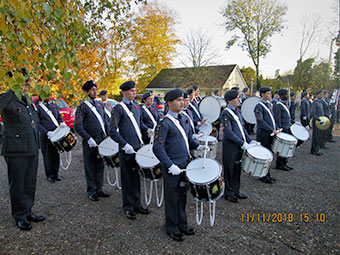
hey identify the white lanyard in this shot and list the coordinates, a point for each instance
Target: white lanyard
(237, 119)
(99, 118)
(107, 112)
(181, 130)
(195, 109)
(133, 120)
(50, 114)
(270, 114)
(150, 116)
(190, 120)
(284, 106)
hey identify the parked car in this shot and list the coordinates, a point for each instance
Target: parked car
(110, 101)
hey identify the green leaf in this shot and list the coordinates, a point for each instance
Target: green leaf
(49, 65)
(67, 76)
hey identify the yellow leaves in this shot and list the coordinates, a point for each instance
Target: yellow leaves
(37, 40)
(3, 23)
(14, 4)
(22, 57)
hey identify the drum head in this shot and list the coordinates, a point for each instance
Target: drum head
(211, 139)
(59, 133)
(299, 131)
(206, 128)
(210, 108)
(145, 157)
(260, 152)
(287, 137)
(247, 109)
(108, 148)
(203, 175)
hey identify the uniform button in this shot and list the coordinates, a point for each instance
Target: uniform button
(30, 113)
(16, 135)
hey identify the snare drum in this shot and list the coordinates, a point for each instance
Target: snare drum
(212, 143)
(63, 139)
(206, 128)
(299, 131)
(256, 161)
(210, 109)
(284, 145)
(150, 167)
(108, 149)
(205, 183)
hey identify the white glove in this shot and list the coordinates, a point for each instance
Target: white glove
(128, 149)
(321, 122)
(49, 134)
(203, 148)
(255, 143)
(63, 124)
(92, 143)
(304, 117)
(246, 146)
(150, 132)
(175, 170)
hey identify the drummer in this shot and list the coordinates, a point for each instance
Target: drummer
(150, 114)
(305, 109)
(50, 119)
(129, 138)
(282, 121)
(188, 113)
(235, 140)
(108, 107)
(197, 97)
(316, 113)
(91, 123)
(276, 97)
(193, 106)
(173, 139)
(265, 124)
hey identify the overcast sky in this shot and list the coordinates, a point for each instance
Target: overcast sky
(205, 15)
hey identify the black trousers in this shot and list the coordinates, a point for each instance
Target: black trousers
(266, 141)
(94, 169)
(175, 200)
(316, 138)
(50, 155)
(232, 154)
(130, 178)
(306, 122)
(22, 175)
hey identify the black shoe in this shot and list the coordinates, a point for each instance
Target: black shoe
(57, 178)
(51, 179)
(35, 218)
(232, 199)
(241, 196)
(24, 225)
(131, 215)
(317, 153)
(142, 210)
(266, 179)
(93, 197)
(331, 141)
(289, 167)
(325, 148)
(284, 168)
(102, 194)
(272, 179)
(188, 232)
(177, 237)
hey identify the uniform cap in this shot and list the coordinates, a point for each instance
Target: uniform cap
(173, 94)
(89, 85)
(230, 94)
(103, 92)
(128, 85)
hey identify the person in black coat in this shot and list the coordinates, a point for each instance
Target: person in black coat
(150, 114)
(305, 109)
(20, 150)
(91, 123)
(327, 111)
(316, 112)
(292, 107)
(46, 126)
(235, 140)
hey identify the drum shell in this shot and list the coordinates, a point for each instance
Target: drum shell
(283, 148)
(112, 161)
(255, 167)
(210, 154)
(66, 143)
(151, 174)
(148, 171)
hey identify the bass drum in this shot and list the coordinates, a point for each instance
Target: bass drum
(247, 109)
(210, 108)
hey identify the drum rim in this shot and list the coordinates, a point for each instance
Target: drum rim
(109, 156)
(141, 165)
(243, 106)
(68, 131)
(205, 183)
(257, 159)
(282, 133)
(218, 108)
(302, 128)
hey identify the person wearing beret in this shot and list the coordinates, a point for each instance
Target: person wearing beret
(265, 124)
(235, 140)
(217, 93)
(187, 112)
(108, 107)
(127, 118)
(50, 119)
(197, 97)
(193, 107)
(20, 150)
(150, 114)
(316, 112)
(282, 121)
(276, 97)
(327, 111)
(305, 109)
(91, 123)
(292, 107)
(173, 141)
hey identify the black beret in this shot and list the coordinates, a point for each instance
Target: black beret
(264, 89)
(185, 95)
(325, 92)
(276, 92)
(146, 95)
(318, 92)
(245, 89)
(190, 91)
(292, 94)
(304, 94)
(230, 94)
(235, 88)
(216, 91)
(103, 92)
(195, 87)
(128, 85)
(173, 94)
(282, 92)
(88, 85)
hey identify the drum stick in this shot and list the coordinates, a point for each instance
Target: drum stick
(191, 169)
(205, 151)
(108, 148)
(272, 134)
(144, 155)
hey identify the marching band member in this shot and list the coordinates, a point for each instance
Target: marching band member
(327, 111)
(50, 119)
(265, 124)
(282, 121)
(91, 123)
(173, 140)
(108, 107)
(316, 112)
(150, 114)
(193, 106)
(305, 109)
(292, 107)
(235, 140)
(276, 97)
(127, 117)
(197, 97)
(20, 150)
(187, 112)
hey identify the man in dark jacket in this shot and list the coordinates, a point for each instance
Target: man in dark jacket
(305, 109)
